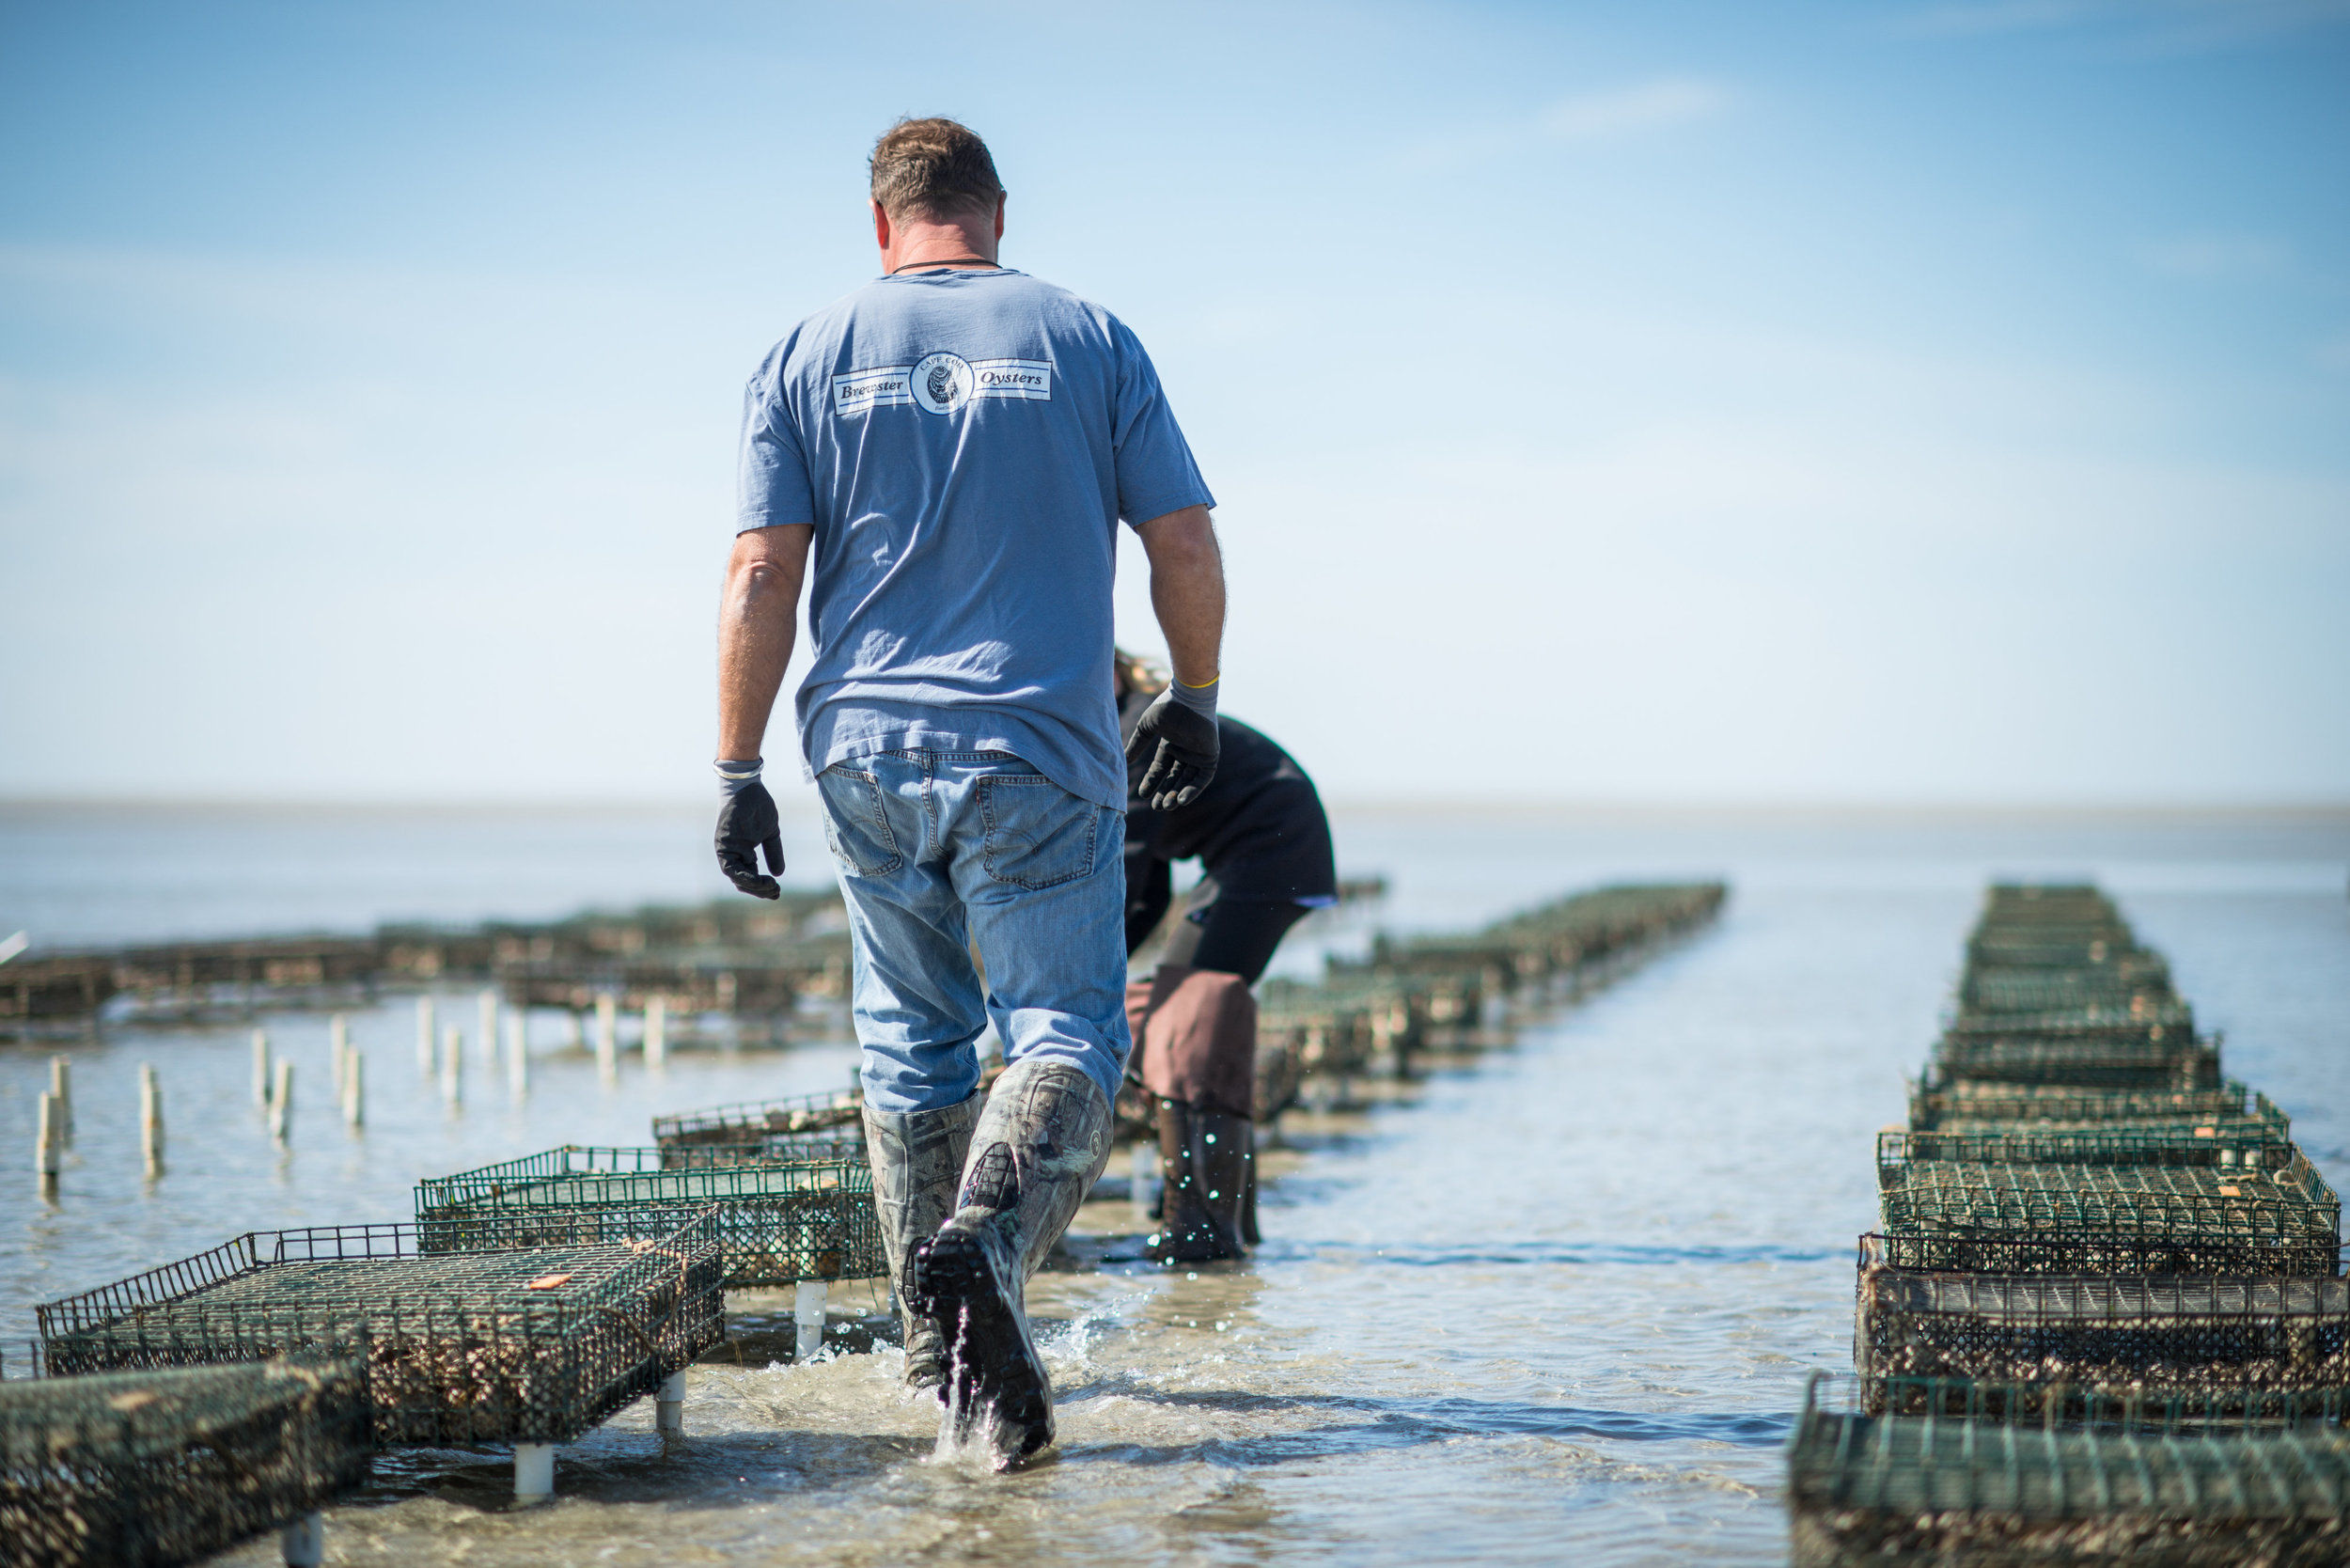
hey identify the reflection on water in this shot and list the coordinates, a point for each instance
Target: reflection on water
(1556, 1303)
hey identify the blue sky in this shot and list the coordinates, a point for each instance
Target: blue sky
(1896, 402)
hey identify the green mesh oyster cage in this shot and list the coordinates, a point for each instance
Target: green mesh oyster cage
(777, 1222)
(1971, 1105)
(2165, 1486)
(2156, 1059)
(2005, 992)
(754, 1124)
(2083, 1206)
(532, 1331)
(159, 1467)
(2188, 1335)
(2248, 1142)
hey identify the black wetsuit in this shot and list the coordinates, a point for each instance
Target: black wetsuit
(1259, 832)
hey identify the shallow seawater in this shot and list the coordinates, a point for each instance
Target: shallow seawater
(1554, 1302)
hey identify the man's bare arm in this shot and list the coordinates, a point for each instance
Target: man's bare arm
(758, 619)
(1187, 592)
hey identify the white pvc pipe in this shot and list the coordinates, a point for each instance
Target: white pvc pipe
(61, 1085)
(517, 1052)
(355, 1087)
(488, 1007)
(338, 1049)
(608, 1038)
(534, 1470)
(453, 1066)
(669, 1407)
(260, 1067)
(47, 1155)
(281, 1103)
(656, 1032)
(426, 1037)
(151, 1120)
(303, 1542)
(807, 1317)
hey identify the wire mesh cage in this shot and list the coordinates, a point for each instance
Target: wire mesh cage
(752, 1124)
(2087, 1206)
(777, 1222)
(2200, 1336)
(2161, 1487)
(2243, 1142)
(156, 1467)
(2153, 1059)
(530, 1332)
(1972, 1104)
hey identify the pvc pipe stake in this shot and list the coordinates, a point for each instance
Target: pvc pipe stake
(338, 1048)
(281, 1103)
(303, 1542)
(453, 1066)
(608, 1038)
(534, 1471)
(669, 1409)
(426, 1038)
(151, 1120)
(260, 1068)
(488, 1007)
(517, 1052)
(807, 1317)
(61, 1085)
(355, 1088)
(47, 1154)
(656, 1032)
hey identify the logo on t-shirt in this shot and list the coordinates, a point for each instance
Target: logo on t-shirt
(942, 383)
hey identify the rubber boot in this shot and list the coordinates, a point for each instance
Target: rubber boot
(1248, 1232)
(917, 1161)
(1040, 1145)
(1207, 1158)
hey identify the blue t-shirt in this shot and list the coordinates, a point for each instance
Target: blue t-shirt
(965, 444)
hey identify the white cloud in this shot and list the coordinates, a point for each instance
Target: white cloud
(1648, 106)
(2210, 258)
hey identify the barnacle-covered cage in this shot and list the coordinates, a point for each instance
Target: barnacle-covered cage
(2207, 1212)
(1980, 1104)
(2185, 1335)
(777, 1222)
(758, 1125)
(525, 1329)
(2157, 1483)
(165, 1466)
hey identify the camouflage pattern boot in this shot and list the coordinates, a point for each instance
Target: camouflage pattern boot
(1041, 1141)
(917, 1161)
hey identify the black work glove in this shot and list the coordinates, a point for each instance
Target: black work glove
(1174, 748)
(747, 823)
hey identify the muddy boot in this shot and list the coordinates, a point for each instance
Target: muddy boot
(1248, 1232)
(918, 1162)
(1041, 1141)
(1206, 1155)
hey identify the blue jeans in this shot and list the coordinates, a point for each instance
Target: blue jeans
(940, 852)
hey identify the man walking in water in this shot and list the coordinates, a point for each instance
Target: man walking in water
(956, 444)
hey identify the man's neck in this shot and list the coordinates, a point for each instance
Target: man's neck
(922, 243)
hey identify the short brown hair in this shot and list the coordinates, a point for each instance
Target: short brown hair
(932, 168)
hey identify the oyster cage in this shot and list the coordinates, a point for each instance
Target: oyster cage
(2089, 1059)
(169, 1466)
(2166, 1486)
(530, 1330)
(2205, 1337)
(2015, 1253)
(751, 1124)
(1976, 1104)
(2190, 1204)
(2263, 1142)
(776, 1222)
